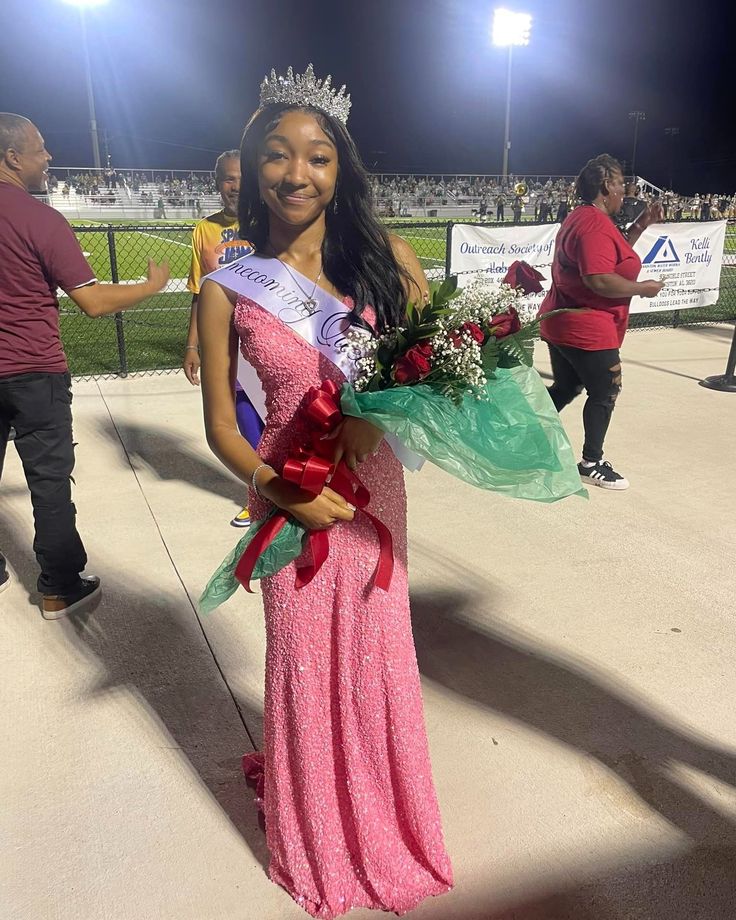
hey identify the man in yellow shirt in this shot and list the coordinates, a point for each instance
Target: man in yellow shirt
(216, 242)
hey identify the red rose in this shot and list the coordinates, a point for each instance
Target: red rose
(422, 348)
(455, 338)
(521, 274)
(503, 324)
(414, 365)
(475, 332)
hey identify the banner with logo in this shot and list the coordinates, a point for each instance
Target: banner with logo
(688, 258)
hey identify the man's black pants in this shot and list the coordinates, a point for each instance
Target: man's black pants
(39, 408)
(599, 373)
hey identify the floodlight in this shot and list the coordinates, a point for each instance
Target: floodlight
(83, 6)
(510, 28)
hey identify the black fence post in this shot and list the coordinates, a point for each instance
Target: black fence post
(726, 383)
(114, 277)
(448, 248)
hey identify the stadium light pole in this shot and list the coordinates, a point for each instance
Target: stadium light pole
(672, 134)
(509, 29)
(637, 117)
(82, 5)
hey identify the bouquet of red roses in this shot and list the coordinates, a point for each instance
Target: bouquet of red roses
(454, 384)
(455, 341)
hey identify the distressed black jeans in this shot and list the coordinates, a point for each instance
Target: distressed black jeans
(39, 407)
(599, 374)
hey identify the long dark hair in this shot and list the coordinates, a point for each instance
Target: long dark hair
(356, 253)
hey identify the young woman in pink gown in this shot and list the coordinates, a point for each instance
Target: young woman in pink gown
(350, 809)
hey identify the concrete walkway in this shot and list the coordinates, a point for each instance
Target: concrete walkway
(578, 666)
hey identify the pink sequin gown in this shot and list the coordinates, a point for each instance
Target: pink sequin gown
(350, 809)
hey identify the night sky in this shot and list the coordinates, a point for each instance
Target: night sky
(175, 81)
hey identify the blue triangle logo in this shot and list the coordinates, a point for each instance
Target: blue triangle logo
(662, 253)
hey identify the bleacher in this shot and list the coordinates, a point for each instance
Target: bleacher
(85, 194)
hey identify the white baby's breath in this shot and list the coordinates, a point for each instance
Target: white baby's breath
(480, 299)
(457, 358)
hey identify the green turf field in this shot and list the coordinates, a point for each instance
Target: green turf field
(154, 334)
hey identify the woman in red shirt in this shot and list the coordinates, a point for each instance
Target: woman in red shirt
(594, 274)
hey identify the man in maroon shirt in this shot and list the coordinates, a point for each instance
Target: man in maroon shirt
(40, 254)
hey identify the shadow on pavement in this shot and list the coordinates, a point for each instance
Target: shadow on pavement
(171, 459)
(713, 332)
(150, 646)
(699, 884)
(566, 701)
(656, 367)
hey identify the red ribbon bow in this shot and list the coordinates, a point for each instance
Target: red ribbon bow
(311, 468)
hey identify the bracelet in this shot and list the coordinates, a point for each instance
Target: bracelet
(253, 482)
(195, 347)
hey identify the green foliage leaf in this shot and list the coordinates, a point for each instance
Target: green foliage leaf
(490, 354)
(516, 349)
(447, 288)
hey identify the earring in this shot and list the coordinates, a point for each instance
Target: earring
(334, 205)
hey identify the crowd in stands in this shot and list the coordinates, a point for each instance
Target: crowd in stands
(141, 187)
(543, 198)
(546, 198)
(394, 195)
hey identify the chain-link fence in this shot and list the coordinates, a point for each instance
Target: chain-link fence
(151, 337)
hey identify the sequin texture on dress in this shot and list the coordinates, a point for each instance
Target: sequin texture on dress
(350, 809)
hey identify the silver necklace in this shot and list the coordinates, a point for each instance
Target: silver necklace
(310, 301)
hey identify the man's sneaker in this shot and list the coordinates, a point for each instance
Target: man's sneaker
(86, 594)
(242, 519)
(4, 581)
(603, 474)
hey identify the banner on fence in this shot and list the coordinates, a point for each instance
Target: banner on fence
(687, 256)
(477, 248)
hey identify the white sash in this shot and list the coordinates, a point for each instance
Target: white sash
(272, 286)
(322, 324)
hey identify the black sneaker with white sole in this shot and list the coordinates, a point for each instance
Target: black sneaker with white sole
(603, 474)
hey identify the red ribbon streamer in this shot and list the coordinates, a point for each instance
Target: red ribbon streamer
(310, 468)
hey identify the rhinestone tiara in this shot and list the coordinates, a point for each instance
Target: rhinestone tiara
(306, 89)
